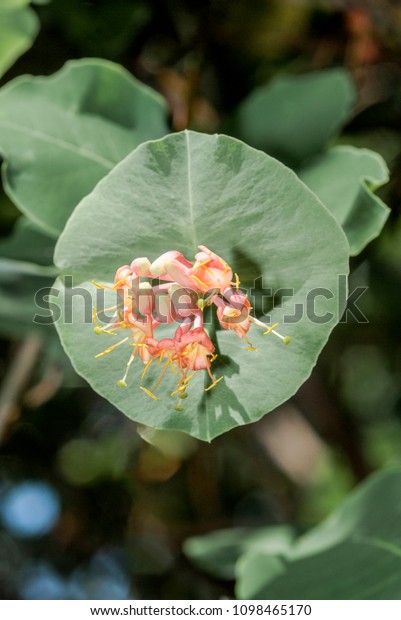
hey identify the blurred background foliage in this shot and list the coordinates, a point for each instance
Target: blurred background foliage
(91, 508)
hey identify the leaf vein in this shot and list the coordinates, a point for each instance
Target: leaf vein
(64, 144)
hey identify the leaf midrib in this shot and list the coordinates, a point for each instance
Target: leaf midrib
(190, 195)
(60, 142)
(195, 242)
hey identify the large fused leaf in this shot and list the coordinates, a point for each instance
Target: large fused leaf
(191, 189)
(18, 28)
(345, 179)
(293, 117)
(59, 135)
(355, 554)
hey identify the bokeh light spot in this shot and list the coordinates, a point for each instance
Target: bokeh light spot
(30, 509)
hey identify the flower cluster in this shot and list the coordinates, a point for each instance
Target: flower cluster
(182, 293)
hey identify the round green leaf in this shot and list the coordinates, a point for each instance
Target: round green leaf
(293, 117)
(61, 134)
(191, 189)
(354, 554)
(345, 179)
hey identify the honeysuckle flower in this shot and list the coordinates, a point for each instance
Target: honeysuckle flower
(141, 267)
(145, 302)
(210, 272)
(173, 266)
(193, 349)
(186, 290)
(125, 278)
(234, 314)
(189, 350)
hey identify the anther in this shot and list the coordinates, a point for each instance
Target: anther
(148, 393)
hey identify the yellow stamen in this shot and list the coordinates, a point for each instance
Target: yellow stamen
(215, 382)
(271, 329)
(205, 262)
(232, 314)
(99, 329)
(170, 361)
(110, 349)
(237, 281)
(178, 390)
(102, 286)
(186, 380)
(112, 307)
(117, 284)
(122, 382)
(209, 372)
(148, 393)
(285, 339)
(145, 370)
(183, 384)
(163, 372)
(198, 280)
(103, 330)
(250, 347)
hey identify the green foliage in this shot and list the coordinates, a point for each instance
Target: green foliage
(29, 244)
(18, 29)
(19, 283)
(251, 210)
(345, 178)
(106, 29)
(83, 461)
(60, 135)
(354, 554)
(294, 117)
(26, 276)
(217, 553)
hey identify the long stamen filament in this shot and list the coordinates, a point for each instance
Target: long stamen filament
(103, 286)
(145, 370)
(122, 382)
(110, 349)
(285, 339)
(215, 382)
(178, 390)
(163, 372)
